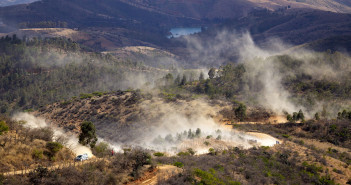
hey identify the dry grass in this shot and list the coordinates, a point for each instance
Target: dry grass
(22, 153)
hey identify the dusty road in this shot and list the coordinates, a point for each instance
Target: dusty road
(53, 167)
(162, 172)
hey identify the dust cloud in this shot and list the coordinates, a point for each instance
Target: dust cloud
(177, 126)
(71, 141)
(264, 75)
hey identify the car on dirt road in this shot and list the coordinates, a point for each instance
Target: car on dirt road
(82, 157)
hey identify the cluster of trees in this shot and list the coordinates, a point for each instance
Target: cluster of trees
(179, 136)
(225, 81)
(344, 115)
(36, 72)
(233, 79)
(254, 166)
(43, 24)
(240, 112)
(87, 134)
(296, 116)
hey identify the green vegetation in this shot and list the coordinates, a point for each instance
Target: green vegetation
(235, 80)
(37, 154)
(52, 149)
(36, 72)
(298, 117)
(120, 169)
(85, 96)
(178, 164)
(344, 115)
(240, 112)
(43, 24)
(159, 154)
(87, 135)
(102, 149)
(3, 127)
(21, 147)
(253, 166)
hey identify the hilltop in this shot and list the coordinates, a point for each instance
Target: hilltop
(106, 29)
(14, 2)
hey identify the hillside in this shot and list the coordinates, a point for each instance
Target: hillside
(210, 9)
(42, 71)
(335, 43)
(123, 118)
(190, 92)
(15, 2)
(22, 147)
(106, 29)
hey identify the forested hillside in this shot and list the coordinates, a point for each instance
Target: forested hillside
(40, 71)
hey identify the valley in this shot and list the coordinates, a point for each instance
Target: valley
(175, 92)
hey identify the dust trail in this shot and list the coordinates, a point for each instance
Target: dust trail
(35, 122)
(177, 126)
(265, 71)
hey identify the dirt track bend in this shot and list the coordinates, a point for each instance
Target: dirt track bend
(162, 172)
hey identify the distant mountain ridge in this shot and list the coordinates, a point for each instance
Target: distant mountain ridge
(118, 23)
(15, 2)
(210, 9)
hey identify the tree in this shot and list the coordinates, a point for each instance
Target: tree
(316, 116)
(294, 116)
(198, 132)
(101, 149)
(169, 138)
(177, 80)
(169, 79)
(240, 112)
(202, 76)
(212, 73)
(3, 127)
(53, 148)
(183, 82)
(289, 118)
(300, 115)
(190, 134)
(87, 135)
(209, 89)
(38, 175)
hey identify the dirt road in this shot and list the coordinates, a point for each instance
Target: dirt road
(163, 172)
(53, 167)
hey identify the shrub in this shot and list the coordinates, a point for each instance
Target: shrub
(191, 151)
(38, 175)
(2, 178)
(85, 96)
(212, 151)
(53, 148)
(326, 180)
(178, 164)
(183, 154)
(37, 154)
(209, 137)
(101, 149)
(3, 127)
(87, 135)
(207, 177)
(99, 94)
(240, 112)
(159, 154)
